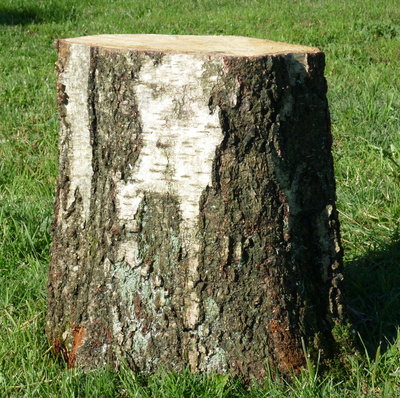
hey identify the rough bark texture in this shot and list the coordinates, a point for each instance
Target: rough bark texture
(195, 221)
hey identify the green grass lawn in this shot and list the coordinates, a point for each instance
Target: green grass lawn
(361, 40)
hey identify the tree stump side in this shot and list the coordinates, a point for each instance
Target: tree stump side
(195, 220)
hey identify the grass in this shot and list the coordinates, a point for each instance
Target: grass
(362, 45)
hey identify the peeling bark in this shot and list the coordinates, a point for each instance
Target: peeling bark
(195, 221)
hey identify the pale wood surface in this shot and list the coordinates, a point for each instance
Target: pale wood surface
(203, 45)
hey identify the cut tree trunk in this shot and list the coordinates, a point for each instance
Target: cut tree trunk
(195, 221)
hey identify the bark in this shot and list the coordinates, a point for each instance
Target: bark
(195, 221)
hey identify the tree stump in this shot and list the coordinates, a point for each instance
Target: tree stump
(195, 221)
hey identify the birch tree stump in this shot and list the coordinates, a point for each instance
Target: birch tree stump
(195, 221)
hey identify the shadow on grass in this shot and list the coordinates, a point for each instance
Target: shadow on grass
(373, 288)
(35, 15)
(16, 17)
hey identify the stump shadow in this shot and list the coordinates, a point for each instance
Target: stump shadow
(373, 292)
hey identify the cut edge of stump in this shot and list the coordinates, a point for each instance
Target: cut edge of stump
(215, 46)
